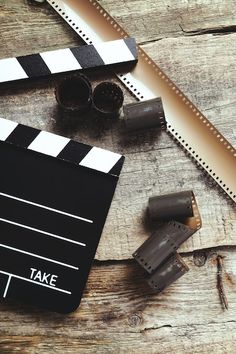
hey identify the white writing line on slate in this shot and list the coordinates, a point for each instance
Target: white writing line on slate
(42, 232)
(46, 207)
(30, 281)
(7, 286)
(38, 256)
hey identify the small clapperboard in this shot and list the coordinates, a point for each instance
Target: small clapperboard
(55, 194)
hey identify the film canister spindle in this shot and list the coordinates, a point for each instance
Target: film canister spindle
(108, 99)
(144, 115)
(74, 95)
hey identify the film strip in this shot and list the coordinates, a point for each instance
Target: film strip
(68, 59)
(146, 81)
(158, 254)
(181, 212)
(54, 198)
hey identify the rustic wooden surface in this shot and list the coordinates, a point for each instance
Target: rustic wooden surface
(202, 65)
(194, 42)
(120, 314)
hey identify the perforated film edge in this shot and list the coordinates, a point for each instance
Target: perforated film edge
(127, 81)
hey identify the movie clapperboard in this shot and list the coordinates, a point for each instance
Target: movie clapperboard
(55, 194)
(64, 60)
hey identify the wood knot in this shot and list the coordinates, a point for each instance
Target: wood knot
(199, 258)
(135, 320)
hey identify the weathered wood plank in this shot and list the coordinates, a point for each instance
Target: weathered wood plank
(30, 28)
(120, 313)
(199, 339)
(149, 21)
(154, 164)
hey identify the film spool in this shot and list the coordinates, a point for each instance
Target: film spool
(157, 255)
(181, 205)
(144, 115)
(169, 206)
(162, 244)
(168, 273)
(74, 95)
(108, 99)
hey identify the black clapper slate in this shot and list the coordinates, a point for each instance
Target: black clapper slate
(68, 60)
(52, 212)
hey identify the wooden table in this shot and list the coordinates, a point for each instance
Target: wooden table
(194, 42)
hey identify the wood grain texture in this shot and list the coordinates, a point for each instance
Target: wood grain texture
(27, 25)
(119, 314)
(204, 68)
(149, 21)
(193, 41)
(146, 20)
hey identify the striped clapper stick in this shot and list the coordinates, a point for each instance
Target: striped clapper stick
(54, 198)
(118, 52)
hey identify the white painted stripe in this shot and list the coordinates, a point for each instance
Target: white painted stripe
(6, 128)
(10, 69)
(60, 60)
(35, 282)
(41, 232)
(7, 286)
(114, 51)
(38, 256)
(100, 159)
(48, 143)
(46, 207)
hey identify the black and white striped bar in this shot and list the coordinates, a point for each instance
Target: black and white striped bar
(68, 59)
(60, 147)
(52, 213)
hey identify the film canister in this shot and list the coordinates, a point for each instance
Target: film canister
(144, 115)
(171, 206)
(108, 99)
(74, 94)
(167, 273)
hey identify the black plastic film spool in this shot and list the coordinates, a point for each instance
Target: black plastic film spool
(161, 245)
(169, 206)
(108, 99)
(144, 115)
(74, 94)
(168, 273)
